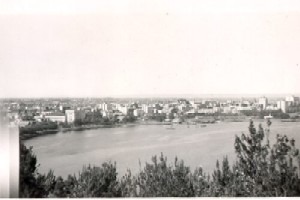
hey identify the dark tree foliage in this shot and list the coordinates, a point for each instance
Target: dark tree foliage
(129, 119)
(32, 184)
(98, 182)
(222, 178)
(38, 126)
(201, 183)
(278, 114)
(265, 170)
(91, 182)
(158, 179)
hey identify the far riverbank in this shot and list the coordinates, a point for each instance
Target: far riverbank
(93, 126)
(53, 131)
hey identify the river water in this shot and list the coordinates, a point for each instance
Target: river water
(67, 152)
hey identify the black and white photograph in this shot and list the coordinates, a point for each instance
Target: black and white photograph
(149, 98)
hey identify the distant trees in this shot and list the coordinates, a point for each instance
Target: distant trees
(38, 126)
(129, 119)
(259, 170)
(94, 117)
(278, 114)
(158, 117)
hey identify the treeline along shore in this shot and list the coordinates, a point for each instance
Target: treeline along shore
(47, 127)
(31, 131)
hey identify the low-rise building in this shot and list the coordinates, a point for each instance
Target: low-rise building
(56, 117)
(108, 114)
(138, 112)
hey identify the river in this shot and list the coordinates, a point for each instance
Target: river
(67, 152)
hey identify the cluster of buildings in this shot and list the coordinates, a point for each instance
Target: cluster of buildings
(23, 116)
(289, 105)
(21, 112)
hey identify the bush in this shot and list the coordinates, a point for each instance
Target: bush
(98, 182)
(266, 171)
(32, 184)
(159, 180)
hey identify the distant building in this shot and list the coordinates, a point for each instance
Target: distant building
(230, 110)
(70, 116)
(148, 109)
(64, 108)
(106, 106)
(244, 106)
(292, 101)
(138, 112)
(184, 107)
(217, 109)
(108, 114)
(123, 109)
(13, 115)
(191, 113)
(290, 98)
(263, 102)
(56, 117)
(272, 107)
(209, 110)
(282, 105)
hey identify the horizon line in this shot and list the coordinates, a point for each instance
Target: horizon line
(163, 96)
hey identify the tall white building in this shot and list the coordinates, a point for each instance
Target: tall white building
(106, 106)
(70, 116)
(123, 109)
(263, 101)
(290, 98)
(282, 105)
(148, 109)
(292, 101)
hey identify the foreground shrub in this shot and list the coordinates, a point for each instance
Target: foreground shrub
(32, 184)
(262, 170)
(91, 182)
(98, 182)
(158, 179)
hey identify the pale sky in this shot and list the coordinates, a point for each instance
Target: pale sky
(134, 48)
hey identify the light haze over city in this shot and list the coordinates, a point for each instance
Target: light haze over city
(148, 48)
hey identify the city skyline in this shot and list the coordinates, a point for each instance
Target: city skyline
(148, 50)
